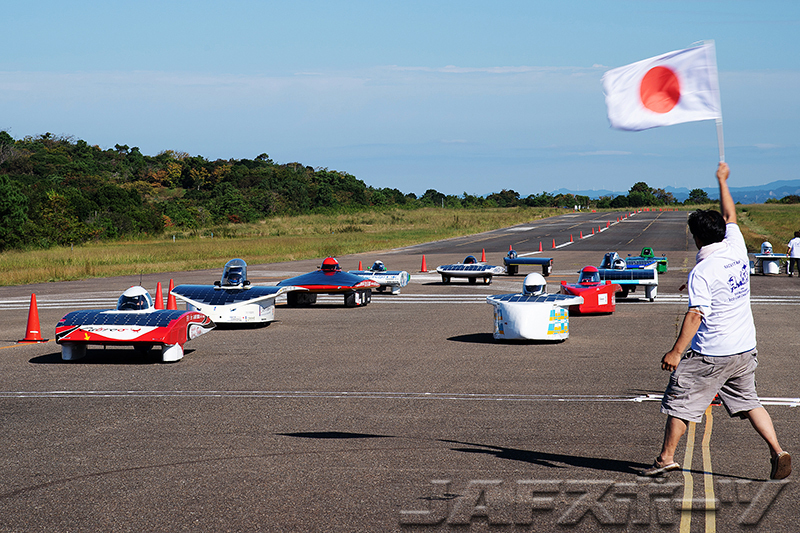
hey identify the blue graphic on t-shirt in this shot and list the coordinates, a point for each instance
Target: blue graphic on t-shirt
(740, 279)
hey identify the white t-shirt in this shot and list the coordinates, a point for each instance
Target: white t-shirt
(720, 285)
(794, 247)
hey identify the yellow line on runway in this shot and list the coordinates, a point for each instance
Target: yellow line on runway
(23, 343)
(708, 478)
(688, 487)
(645, 229)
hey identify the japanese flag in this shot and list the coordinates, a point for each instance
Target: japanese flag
(676, 87)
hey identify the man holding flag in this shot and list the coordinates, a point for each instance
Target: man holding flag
(718, 329)
(720, 333)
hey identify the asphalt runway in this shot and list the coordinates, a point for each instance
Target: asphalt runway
(403, 415)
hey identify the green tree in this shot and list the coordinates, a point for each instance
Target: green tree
(58, 225)
(666, 198)
(697, 196)
(6, 146)
(641, 195)
(230, 205)
(505, 198)
(13, 213)
(432, 197)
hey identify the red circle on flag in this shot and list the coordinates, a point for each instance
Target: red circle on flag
(660, 90)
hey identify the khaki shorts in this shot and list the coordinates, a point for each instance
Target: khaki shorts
(698, 378)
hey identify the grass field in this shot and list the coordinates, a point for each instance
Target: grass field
(273, 240)
(317, 236)
(775, 223)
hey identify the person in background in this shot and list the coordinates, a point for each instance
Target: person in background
(794, 254)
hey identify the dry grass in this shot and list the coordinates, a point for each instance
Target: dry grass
(775, 223)
(274, 240)
(317, 236)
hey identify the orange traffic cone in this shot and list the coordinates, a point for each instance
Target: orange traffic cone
(540, 246)
(424, 268)
(554, 244)
(159, 304)
(171, 303)
(570, 238)
(581, 234)
(483, 255)
(510, 248)
(33, 332)
(592, 230)
(359, 265)
(608, 224)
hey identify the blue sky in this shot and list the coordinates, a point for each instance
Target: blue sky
(459, 96)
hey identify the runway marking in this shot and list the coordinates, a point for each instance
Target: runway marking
(405, 298)
(486, 238)
(688, 483)
(708, 474)
(645, 229)
(339, 395)
(709, 499)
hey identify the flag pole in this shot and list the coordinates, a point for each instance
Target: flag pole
(713, 53)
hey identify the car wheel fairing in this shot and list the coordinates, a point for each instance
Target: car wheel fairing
(357, 298)
(651, 291)
(72, 352)
(350, 299)
(300, 299)
(171, 353)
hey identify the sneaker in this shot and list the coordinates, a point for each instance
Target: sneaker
(781, 466)
(659, 468)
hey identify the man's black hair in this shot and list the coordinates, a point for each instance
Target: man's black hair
(707, 225)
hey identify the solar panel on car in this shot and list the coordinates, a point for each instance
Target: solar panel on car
(212, 296)
(114, 318)
(626, 275)
(466, 268)
(530, 298)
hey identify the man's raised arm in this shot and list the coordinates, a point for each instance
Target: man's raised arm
(725, 198)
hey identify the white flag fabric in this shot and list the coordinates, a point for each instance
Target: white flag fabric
(679, 86)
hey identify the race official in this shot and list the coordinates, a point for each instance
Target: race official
(720, 335)
(794, 254)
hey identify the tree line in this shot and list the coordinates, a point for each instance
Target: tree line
(56, 190)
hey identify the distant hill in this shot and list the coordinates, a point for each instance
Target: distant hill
(755, 194)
